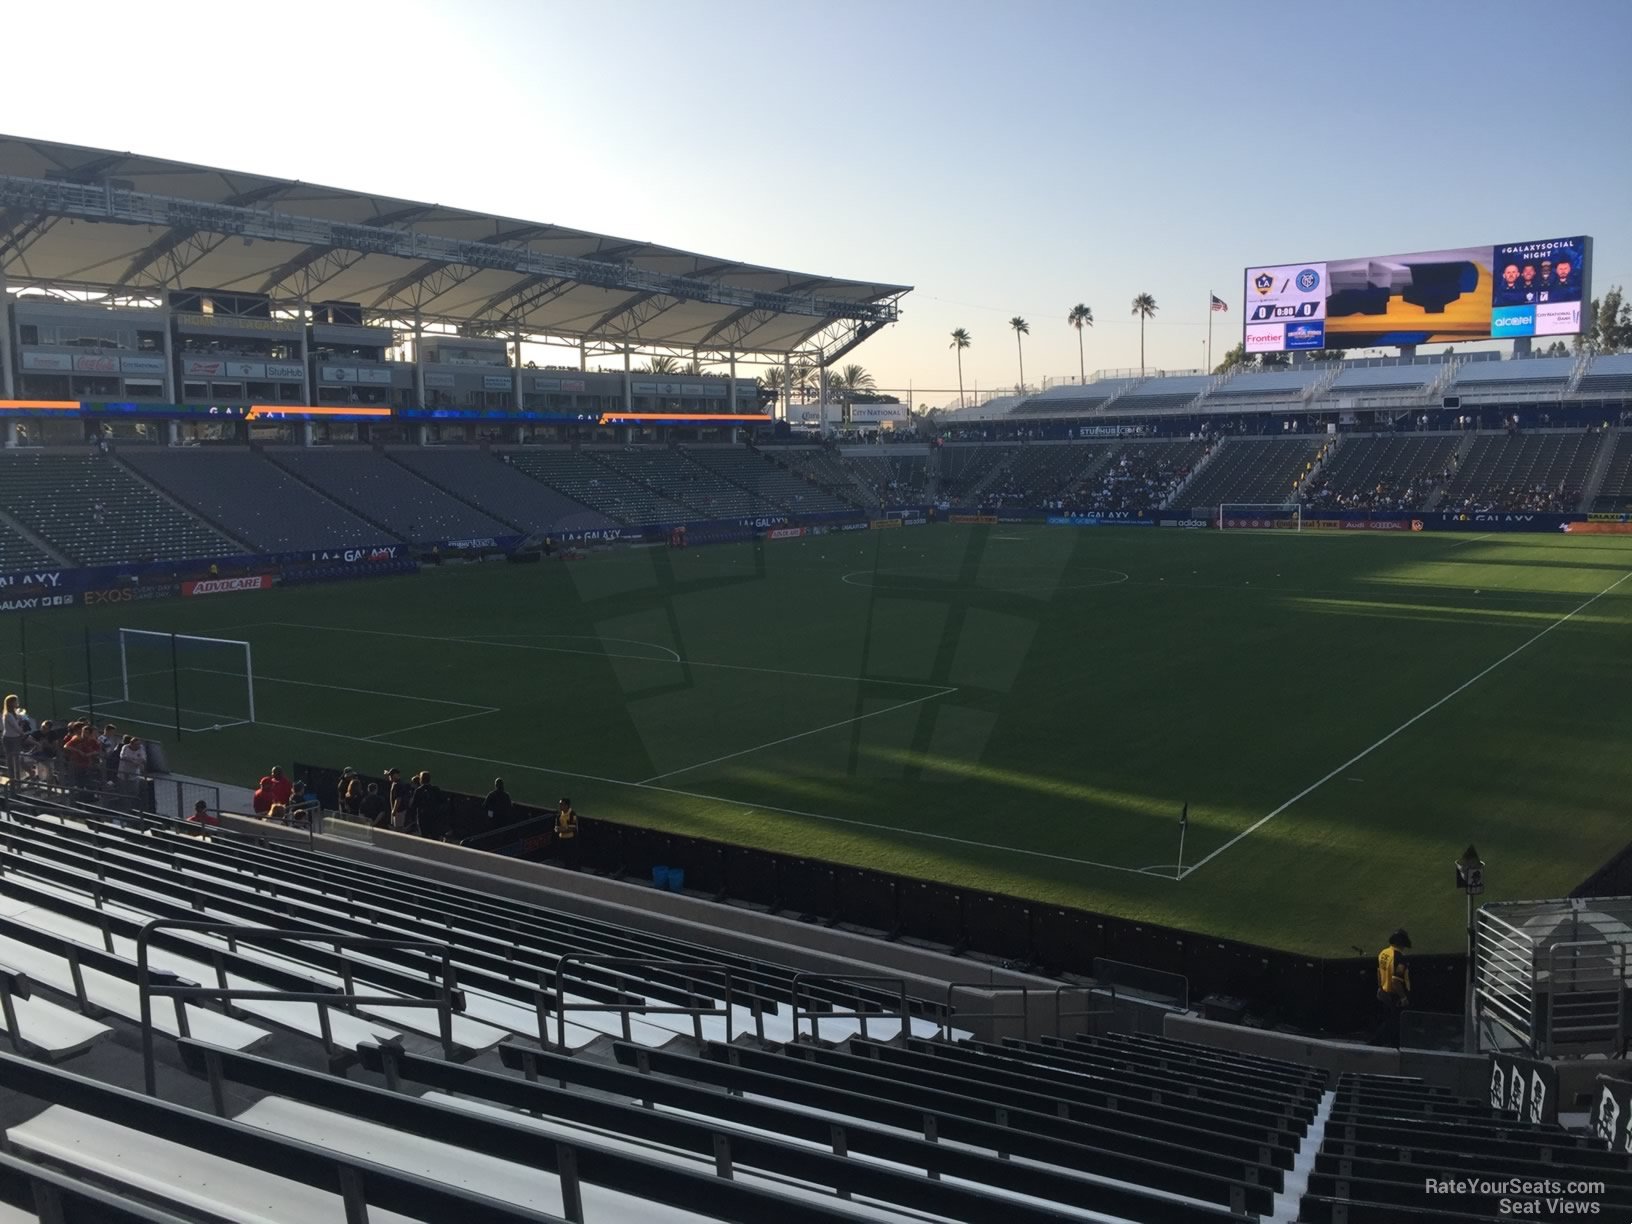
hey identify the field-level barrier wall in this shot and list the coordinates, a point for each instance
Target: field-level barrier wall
(1223, 976)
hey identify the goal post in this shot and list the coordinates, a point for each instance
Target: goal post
(1259, 516)
(195, 683)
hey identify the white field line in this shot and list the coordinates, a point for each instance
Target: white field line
(606, 654)
(1417, 717)
(869, 825)
(338, 688)
(476, 713)
(787, 739)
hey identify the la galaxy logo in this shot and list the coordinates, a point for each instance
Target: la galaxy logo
(1263, 282)
(1308, 280)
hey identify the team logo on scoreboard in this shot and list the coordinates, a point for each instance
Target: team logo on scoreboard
(1263, 282)
(1308, 280)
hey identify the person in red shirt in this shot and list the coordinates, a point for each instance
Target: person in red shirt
(84, 753)
(278, 787)
(203, 817)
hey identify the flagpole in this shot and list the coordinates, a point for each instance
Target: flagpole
(1209, 331)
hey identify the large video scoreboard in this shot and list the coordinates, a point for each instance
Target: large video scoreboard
(1513, 289)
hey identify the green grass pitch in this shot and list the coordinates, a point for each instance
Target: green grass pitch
(1017, 708)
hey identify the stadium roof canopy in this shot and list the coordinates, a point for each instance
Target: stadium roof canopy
(98, 220)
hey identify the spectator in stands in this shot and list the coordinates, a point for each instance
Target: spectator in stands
(1393, 987)
(278, 813)
(372, 805)
(425, 807)
(350, 792)
(203, 817)
(132, 762)
(84, 755)
(110, 744)
(14, 732)
(277, 786)
(303, 805)
(397, 799)
(497, 805)
(566, 834)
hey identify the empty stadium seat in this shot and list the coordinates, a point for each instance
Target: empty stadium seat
(772, 484)
(1398, 472)
(1533, 472)
(1252, 470)
(254, 499)
(1607, 374)
(93, 510)
(580, 475)
(494, 485)
(17, 553)
(383, 492)
(1616, 491)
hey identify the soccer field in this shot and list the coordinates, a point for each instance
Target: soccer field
(1016, 708)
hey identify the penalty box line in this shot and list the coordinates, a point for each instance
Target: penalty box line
(1415, 718)
(606, 654)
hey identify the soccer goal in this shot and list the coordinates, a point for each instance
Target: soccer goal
(1260, 516)
(183, 681)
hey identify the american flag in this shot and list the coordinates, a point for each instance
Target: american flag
(1219, 303)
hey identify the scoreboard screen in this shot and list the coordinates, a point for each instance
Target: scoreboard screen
(1499, 292)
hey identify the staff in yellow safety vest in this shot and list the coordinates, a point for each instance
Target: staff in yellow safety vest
(1393, 987)
(566, 833)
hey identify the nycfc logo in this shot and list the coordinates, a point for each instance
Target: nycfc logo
(1263, 282)
(1308, 280)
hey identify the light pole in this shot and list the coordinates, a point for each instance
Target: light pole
(1470, 878)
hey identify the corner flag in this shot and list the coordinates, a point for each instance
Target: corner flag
(1184, 816)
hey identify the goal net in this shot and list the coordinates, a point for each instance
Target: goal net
(179, 680)
(1267, 516)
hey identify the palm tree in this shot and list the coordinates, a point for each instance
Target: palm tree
(855, 378)
(662, 364)
(960, 341)
(692, 369)
(849, 382)
(1021, 328)
(1145, 307)
(1080, 317)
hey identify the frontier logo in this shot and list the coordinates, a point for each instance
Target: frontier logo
(221, 586)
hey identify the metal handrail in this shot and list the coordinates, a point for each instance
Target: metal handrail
(643, 1006)
(847, 979)
(151, 983)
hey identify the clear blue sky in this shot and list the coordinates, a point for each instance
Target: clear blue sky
(1002, 158)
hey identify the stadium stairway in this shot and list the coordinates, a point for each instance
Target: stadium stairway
(21, 549)
(1200, 466)
(1388, 1134)
(304, 478)
(426, 473)
(181, 507)
(1598, 474)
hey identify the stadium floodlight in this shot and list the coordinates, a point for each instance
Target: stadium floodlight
(1259, 516)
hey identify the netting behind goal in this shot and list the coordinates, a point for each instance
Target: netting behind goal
(1244, 516)
(179, 680)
